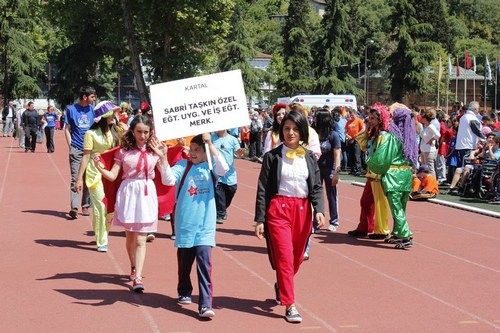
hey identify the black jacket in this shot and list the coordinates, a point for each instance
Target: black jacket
(269, 180)
(30, 119)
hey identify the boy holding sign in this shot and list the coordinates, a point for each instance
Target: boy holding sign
(195, 218)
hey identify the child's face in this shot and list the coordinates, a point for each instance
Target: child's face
(197, 154)
(141, 134)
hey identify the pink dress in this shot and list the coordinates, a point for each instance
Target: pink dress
(136, 207)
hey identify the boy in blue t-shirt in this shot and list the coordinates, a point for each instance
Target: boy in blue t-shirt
(195, 216)
(226, 188)
(78, 119)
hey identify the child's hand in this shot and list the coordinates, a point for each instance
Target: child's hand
(96, 158)
(240, 152)
(207, 138)
(158, 147)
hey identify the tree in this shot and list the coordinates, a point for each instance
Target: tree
(334, 51)
(91, 48)
(434, 12)
(238, 52)
(409, 61)
(134, 51)
(21, 49)
(296, 50)
(180, 38)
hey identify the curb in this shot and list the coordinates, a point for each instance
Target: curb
(449, 204)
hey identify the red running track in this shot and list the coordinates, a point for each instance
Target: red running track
(53, 279)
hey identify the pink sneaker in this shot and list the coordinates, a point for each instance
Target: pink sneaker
(132, 273)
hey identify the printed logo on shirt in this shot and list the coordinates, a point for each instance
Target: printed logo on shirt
(198, 185)
(83, 121)
(192, 191)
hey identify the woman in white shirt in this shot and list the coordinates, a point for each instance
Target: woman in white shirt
(428, 139)
(289, 188)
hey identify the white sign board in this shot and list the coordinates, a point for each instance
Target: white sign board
(200, 104)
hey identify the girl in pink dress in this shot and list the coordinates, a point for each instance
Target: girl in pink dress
(136, 207)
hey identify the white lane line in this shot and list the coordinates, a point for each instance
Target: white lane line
(271, 286)
(6, 171)
(409, 286)
(145, 312)
(458, 258)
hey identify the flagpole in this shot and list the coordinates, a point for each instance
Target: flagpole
(496, 82)
(485, 100)
(439, 81)
(447, 92)
(465, 86)
(474, 78)
(474, 86)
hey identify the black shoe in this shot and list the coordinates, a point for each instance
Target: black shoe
(404, 243)
(357, 233)
(452, 191)
(73, 214)
(378, 236)
(277, 292)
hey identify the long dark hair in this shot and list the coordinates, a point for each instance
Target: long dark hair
(128, 141)
(323, 124)
(300, 120)
(105, 128)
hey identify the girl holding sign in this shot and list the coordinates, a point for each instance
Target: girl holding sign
(289, 185)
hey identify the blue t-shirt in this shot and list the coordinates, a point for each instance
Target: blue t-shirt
(195, 211)
(51, 119)
(227, 145)
(339, 127)
(80, 119)
(326, 160)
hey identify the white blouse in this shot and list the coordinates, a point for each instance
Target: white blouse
(294, 174)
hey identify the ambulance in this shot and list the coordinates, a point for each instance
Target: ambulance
(321, 100)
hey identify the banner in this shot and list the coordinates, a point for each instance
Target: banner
(487, 73)
(200, 104)
(468, 64)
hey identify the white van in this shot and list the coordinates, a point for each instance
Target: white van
(321, 100)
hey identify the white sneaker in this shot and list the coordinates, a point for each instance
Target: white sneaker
(332, 228)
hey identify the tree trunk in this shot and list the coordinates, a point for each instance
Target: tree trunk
(167, 47)
(134, 53)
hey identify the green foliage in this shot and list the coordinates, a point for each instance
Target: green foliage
(180, 37)
(409, 61)
(434, 12)
(334, 51)
(296, 50)
(22, 56)
(238, 53)
(87, 42)
(481, 16)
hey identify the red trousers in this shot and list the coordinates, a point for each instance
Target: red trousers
(367, 216)
(288, 226)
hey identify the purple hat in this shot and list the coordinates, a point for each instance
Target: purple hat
(104, 109)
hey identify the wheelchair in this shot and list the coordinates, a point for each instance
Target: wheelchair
(480, 181)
